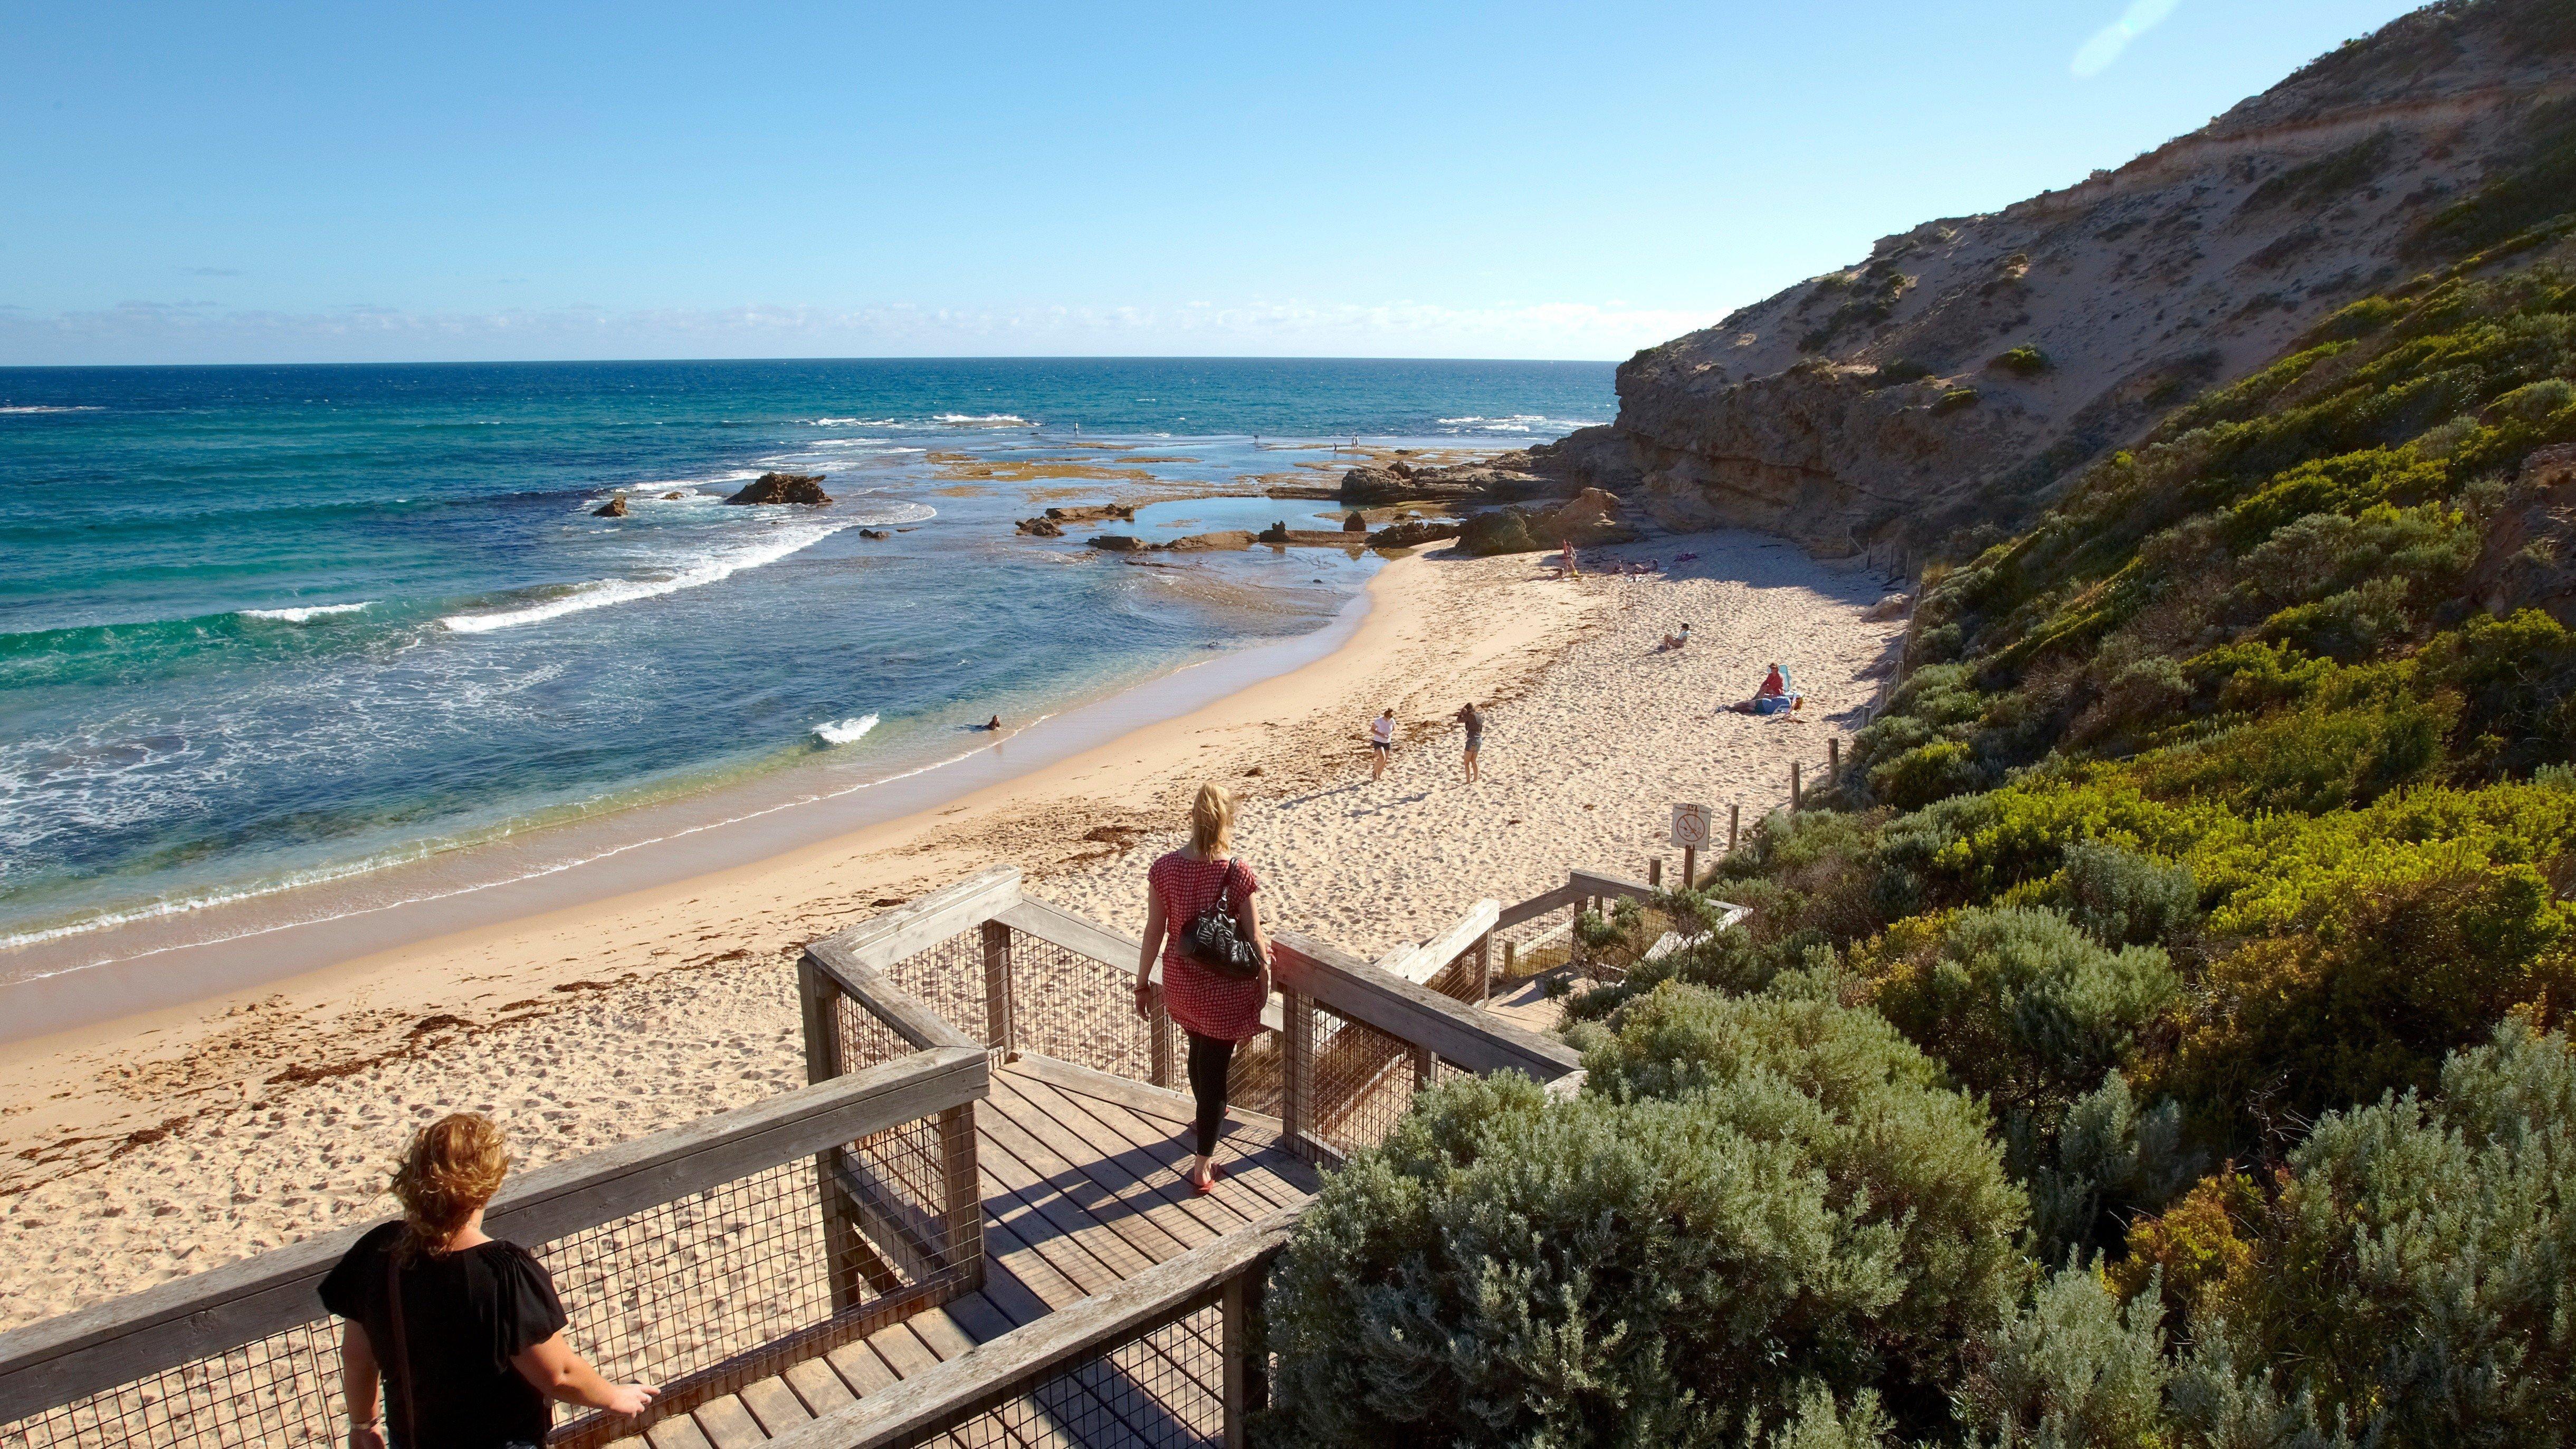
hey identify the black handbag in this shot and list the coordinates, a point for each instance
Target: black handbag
(1215, 939)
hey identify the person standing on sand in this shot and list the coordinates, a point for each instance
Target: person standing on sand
(1217, 1012)
(461, 1331)
(1382, 742)
(1472, 720)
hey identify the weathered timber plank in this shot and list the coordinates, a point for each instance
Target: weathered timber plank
(818, 1387)
(880, 941)
(1250, 1158)
(1138, 1176)
(774, 1403)
(728, 1425)
(679, 1433)
(1535, 907)
(1059, 1158)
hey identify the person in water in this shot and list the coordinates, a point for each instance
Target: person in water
(458, 1331)
(994, 724)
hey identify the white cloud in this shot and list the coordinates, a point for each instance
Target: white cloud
(198, 332)
(2107, 43)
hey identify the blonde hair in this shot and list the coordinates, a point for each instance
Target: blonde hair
(453, 1166)
(1212, 820)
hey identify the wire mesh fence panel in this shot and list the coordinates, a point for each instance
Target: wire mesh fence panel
(1257, 1079)
(1362, 1079)
(865, 1038)
(1078, 1009)
(949, 979)
(282, 1389)
(1160, 1388)
(726, 1284)
(1460, 980)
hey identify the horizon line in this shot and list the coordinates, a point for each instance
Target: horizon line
(915, 357)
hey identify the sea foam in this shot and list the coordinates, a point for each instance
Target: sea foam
(845, 731)
(307, 612)
(601, 593)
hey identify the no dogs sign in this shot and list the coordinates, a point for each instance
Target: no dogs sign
(1691, 824)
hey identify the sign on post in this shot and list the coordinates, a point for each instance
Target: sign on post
(1691, 826)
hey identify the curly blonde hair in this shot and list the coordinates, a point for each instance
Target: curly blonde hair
(1212, 820)
(453, 1166)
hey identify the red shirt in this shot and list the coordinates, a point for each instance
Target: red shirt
(1199, 999)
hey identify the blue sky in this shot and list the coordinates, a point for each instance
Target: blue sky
(332, 182)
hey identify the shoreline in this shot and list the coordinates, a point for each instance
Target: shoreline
(145, 1147)
(164, 963)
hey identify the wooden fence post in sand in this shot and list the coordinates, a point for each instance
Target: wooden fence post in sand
(1797, 795)
(1734, 817)
(1690, 868)
(1655, 868)
(1833, 759)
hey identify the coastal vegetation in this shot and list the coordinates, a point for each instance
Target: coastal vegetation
(2156, 1036)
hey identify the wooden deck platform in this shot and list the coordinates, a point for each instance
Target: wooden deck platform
(1081, 1190)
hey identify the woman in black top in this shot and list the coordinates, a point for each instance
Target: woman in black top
(479, 1347)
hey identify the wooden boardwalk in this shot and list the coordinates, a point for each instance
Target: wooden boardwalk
(1079, 1173)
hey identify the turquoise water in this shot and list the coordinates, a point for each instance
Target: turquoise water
(262, 627)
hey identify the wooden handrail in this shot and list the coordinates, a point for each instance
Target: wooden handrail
(1536, 906)
(1453, 1030)
(878, 942)
(1016, 1361)
(1421, 963)
(63, 1359)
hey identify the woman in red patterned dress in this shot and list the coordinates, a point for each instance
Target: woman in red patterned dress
(1217, 1011)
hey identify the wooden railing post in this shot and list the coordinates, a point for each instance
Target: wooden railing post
(846, 1257)
(1247, 1355)
(1485, 968)
(1297, 1068)
(998, 1032)
(965, 1196)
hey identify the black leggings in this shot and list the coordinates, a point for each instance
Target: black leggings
(1210, 1059)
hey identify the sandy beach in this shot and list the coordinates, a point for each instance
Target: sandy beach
(146, 1148)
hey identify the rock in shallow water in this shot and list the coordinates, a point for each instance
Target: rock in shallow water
(783, 488)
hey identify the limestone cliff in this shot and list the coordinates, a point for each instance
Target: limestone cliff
(1966, 370)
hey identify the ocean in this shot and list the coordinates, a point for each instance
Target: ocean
(269, 628)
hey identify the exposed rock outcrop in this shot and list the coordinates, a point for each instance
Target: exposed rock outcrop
(1041, 528)
(1412, 534)
(1093, 513)
(2528, 558)
(1969, 368)
(1592, 517)
(1222, 539)
(1117, 543)
(1504, 478)
(613, 508)
(804, 488)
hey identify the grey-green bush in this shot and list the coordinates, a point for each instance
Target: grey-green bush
(2122, 898)
(1755, 1201)
(2023, 1005)
(2419, 1271)
(2074, 1370)
(2105, 1163)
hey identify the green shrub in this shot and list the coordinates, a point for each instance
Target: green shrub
(1927, 773)
(2381, 972)
(1899, 372)
(2122, 898)
(1811, 1214)
(2022, 361)
(2074, 1369)
(2419, 1270)
(1957, 399)
(2104, 1164)
(2022, 1005)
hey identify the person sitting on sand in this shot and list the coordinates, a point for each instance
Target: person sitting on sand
(462, 1331)
(1472, 720)
(1774, 697)
(1678, 641)
(1218, 1012)
(1381, 742)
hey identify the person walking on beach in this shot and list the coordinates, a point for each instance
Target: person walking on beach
(1472, 720)
(1216, 1010)
(462, 1331)
(1381, 742)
